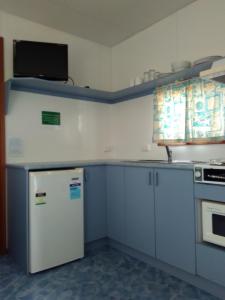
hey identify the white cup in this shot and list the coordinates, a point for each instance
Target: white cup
(138, 80)
(146, 76)
(132, 82)
(151, 74)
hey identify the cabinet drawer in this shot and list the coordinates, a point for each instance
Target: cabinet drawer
(210, 191)
(211, 263)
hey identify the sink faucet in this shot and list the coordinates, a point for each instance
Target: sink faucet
(169, 153)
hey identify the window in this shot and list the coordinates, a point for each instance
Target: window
(189, 112)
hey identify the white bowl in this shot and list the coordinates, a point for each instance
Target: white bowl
(180, 65)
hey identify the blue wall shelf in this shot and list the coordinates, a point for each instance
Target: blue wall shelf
(53, 88)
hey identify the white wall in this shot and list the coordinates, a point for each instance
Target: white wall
(191, 33)
(83, 133)
(132, 129)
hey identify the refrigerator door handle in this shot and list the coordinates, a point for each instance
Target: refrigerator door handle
(85, 176)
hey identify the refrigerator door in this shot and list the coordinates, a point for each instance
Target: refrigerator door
(56, 233)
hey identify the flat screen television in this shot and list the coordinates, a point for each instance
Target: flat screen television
(40, 60)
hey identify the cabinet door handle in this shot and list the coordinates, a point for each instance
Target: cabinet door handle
(156, 178)
(150, 178)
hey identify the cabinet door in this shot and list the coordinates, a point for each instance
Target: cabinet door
(175, 224)
(95, 203)
(140, 223)
(115, 203)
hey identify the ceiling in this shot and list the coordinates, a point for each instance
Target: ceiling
(107, 22)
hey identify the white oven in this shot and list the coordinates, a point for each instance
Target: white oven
(213, 222)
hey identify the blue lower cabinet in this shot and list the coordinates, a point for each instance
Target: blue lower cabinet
(211, 263)
(115, 203)
(175, 222)
(95, 203)
(139, 205)
(148, 209)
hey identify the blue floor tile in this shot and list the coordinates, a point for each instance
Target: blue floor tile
(105, 274)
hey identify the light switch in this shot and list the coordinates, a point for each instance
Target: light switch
(16, 147)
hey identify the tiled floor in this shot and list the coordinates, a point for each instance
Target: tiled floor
(105, 274)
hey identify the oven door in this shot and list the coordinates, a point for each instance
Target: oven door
(213, 222)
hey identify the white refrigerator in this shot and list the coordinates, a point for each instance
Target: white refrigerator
(56, 231)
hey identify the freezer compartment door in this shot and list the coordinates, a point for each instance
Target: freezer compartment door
(56, 233)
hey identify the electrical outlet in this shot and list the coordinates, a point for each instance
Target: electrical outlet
(146, 148)
(16, 147)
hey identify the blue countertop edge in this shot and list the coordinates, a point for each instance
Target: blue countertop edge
(86, 163)
(45, 87)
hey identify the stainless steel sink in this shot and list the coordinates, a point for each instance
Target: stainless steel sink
(152, 161)
(147, 161)
(163, 161)
(187, 162)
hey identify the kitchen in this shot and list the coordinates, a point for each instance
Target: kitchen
(95, 131)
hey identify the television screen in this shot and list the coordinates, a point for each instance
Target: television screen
(40, 60)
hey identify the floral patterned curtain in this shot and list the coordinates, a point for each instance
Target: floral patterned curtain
(189, 112)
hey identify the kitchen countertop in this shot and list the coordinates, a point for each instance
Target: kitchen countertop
(99, 162)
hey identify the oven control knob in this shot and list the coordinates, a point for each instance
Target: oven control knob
(198, 174)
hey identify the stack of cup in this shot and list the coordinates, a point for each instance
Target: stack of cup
(148, 75)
